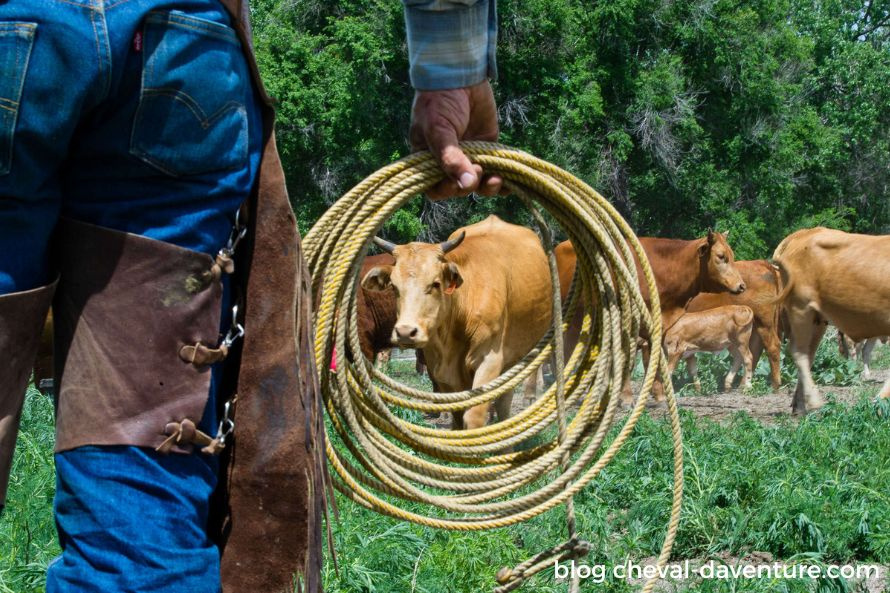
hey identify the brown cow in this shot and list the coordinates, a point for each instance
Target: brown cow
(376, 311)
(727, 327)
(475, 304)
(762, 285)
(837, 277)
(681, 268)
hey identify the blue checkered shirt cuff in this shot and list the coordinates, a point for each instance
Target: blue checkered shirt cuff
(451, 44)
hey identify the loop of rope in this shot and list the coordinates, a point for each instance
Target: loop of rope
(511, 471)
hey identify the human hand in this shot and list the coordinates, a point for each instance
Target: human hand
(439, 120)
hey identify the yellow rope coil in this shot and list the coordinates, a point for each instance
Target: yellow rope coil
(511, 471)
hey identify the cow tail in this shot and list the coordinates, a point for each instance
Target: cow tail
(785, 282)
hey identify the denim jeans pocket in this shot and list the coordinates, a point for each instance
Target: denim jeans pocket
(16, 40)
(191, 117)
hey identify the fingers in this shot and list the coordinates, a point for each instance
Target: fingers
(439, 120)
(450, 187)
(443, 143)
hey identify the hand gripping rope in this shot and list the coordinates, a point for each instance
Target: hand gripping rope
(478, 479)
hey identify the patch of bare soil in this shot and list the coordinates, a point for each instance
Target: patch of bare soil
(770, 407)
(767, 409)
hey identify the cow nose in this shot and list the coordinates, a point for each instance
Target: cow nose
(406, 332)
(742, 288)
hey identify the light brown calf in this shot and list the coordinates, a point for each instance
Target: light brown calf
(762, 282)
(728, 327)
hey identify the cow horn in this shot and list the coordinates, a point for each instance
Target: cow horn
(384, 244)
(452, 243)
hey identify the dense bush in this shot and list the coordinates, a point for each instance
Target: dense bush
(759, 117)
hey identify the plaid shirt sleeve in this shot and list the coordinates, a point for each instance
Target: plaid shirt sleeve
(451, 43)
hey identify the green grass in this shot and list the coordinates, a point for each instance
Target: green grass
(813, 491)
(27, 530)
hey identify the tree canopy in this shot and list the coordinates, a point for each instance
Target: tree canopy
(759, 117)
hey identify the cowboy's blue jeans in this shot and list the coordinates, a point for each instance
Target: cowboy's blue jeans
(137, 115)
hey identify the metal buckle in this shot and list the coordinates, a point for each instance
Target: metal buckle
(236, 330)
(226, 425)
(235, 236)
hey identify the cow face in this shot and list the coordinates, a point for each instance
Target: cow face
(717, 265)
(423, 282)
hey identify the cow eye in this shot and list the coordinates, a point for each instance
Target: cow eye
(434, 286)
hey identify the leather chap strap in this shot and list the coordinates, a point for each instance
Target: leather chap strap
(21, 316)
(125, 307)
(273, 492)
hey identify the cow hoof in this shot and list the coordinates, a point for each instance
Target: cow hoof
(815, 402)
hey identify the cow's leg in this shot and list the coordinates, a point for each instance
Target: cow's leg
(477, 416)
(867, 348)
(502, 406)
(532, 387)
(806, 330)
(733, 368)
(658, 386)
(748, 359)
(673, 359)
(692, 369)
(769, 340)
(757, 344)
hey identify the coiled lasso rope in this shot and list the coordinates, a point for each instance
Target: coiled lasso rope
(482, 478)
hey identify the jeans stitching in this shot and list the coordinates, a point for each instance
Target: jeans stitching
(210, 28)
(23, 40)
(140, 147)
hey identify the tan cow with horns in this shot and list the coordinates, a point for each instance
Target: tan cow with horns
(475, 304)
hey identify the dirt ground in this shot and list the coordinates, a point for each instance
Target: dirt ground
(770, 407)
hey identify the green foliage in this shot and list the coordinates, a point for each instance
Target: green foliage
(812, 491)
(27, 530)
(759, 118)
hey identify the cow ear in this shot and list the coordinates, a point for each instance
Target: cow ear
(711, 237)
(452, 277)
(704, 246)
(377, 278)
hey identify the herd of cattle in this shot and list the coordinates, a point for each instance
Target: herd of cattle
(476, 304)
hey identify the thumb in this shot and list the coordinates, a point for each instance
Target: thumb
(443, 143)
